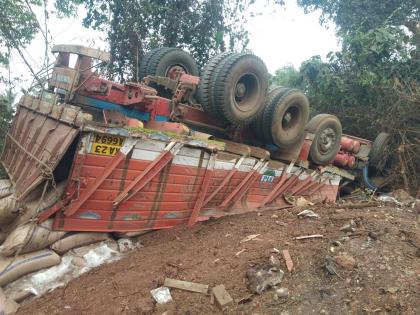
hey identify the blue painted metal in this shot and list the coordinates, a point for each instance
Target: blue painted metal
(369, 184)
(127, 111)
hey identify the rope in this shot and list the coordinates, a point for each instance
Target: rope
(47, 171)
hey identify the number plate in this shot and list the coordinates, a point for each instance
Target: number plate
(106, 144)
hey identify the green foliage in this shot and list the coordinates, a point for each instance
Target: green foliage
(286, 76)
(352, 15)
(134, 27)
(18, 26)
(372, 84)
(5, 118)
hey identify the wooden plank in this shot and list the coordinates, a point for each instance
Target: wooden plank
(221, 296)
(236, 148)
(186, 285)
(81, 50)
(288, 260)
(259, 153)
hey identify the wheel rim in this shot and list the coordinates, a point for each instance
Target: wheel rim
(327, 140)
(246, 91)
(174, 72)
(290, 118)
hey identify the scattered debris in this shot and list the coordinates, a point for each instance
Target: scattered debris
(260, 278)
(347, 228)
(330, 266)
(391, 290)
(288, 260)
(246, 299)
(308, 214)
(186, 285)
(249, 238)
(282, 292)
(298, 201)
(161, 295)
(221, 296)
(126, 245)
(345, 261)
(240, 252)
(373, 235)
(304, 237)
(274, 262)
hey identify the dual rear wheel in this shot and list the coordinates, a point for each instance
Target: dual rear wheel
(233, 87)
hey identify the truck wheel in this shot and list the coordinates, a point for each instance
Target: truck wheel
(264, 118)
(171, 63)
(327, 135)
(379, 150)
(204, 94)
(145, 62)
(286, 116)
(240, 88)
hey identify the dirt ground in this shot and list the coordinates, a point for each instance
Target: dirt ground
(384, 277)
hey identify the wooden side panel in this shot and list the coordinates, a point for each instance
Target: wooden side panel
(168, 199)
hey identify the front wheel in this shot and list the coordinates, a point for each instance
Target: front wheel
(327, 132)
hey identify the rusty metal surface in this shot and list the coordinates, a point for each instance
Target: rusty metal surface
(35, 144)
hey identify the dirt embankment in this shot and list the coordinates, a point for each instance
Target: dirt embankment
(378, 272)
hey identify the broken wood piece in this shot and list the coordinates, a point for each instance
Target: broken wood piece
(221, 296)
(288, 260)
(240, 252)
(249, 237)
(186, 285)
(309, 236)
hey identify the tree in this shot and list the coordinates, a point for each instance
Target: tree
(17, 28)
(133, 27)
(286, 76)
(372, 84)
(5, 119)
(352, 15)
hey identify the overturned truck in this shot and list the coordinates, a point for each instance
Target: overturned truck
(85, 154)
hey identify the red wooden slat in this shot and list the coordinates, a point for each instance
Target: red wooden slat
(121, 155)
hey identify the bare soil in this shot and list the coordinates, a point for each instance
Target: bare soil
(385, 279)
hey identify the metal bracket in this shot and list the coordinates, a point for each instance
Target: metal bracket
(149, 173)
(225, 181)
(203, 191)
(129, 144)
(244, 185)
(274, 192)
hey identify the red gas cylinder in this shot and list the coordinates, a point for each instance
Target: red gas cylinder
(341, 159)
(351, 161)
(344, 159)
(356, 147)
(349, 145)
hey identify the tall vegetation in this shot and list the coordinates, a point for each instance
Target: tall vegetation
(134, 27)
(372, 84)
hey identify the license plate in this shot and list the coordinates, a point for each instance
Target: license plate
(106, 144)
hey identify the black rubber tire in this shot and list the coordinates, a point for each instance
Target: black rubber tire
(266, 114)
(317, 125)
(378, 150)
(294, 103)
(251, 71)
(204, 94)
(145, 62)
(165, 57)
